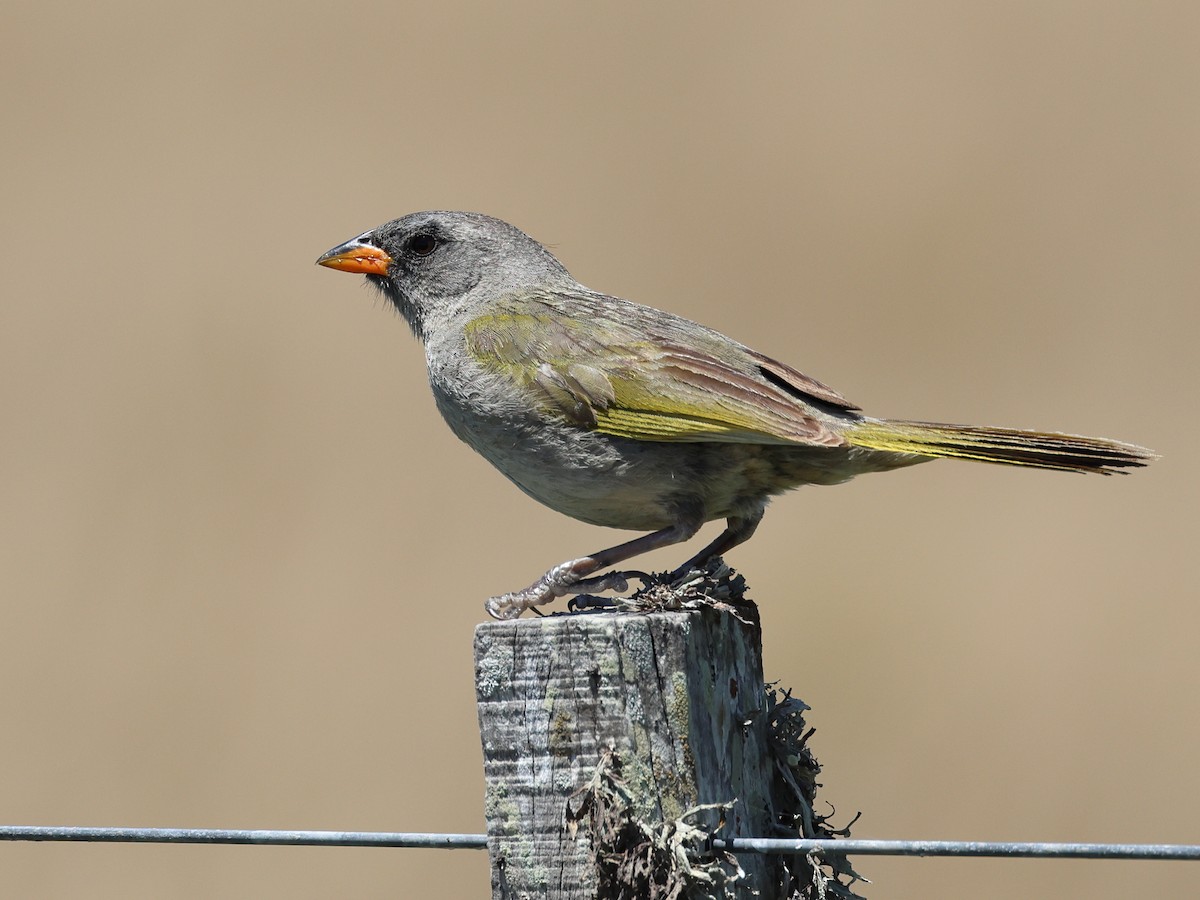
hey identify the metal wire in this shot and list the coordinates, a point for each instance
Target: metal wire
(231, 836)
(847, 846)
(839, 847)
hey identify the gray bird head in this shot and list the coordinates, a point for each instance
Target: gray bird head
(432, 265)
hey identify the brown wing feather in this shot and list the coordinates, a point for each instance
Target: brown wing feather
(637, 372)
(800, 385)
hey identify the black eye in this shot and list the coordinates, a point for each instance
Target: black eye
(422, 244)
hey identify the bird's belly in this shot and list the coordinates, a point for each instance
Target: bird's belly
(581, 474)
(624, 483)
(618, 482)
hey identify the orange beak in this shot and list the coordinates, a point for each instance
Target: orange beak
(357, 256)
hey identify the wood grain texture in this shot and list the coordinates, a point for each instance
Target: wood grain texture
(678, 696)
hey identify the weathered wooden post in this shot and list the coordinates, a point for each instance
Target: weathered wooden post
(658, 713)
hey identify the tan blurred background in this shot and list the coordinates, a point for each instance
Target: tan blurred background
(242, 557)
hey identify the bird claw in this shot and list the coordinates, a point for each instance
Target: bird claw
(609, 581)
(555, 583)
(591, 603)
(563, 579)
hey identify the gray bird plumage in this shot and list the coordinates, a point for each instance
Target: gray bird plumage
(623, 415)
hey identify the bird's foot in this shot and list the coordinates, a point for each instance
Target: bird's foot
(565, 578)
(609, 581)
(614, 581)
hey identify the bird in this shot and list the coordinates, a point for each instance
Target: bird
(626, 416)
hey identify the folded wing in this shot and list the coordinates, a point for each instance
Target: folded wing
(623, 370)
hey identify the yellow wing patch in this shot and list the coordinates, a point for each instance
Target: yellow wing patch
(611, 377)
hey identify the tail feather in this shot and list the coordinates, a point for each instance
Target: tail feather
(1010, 446)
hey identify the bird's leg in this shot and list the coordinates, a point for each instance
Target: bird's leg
(569, 577)
(737, 530)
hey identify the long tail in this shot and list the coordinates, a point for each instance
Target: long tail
(1038, 449)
